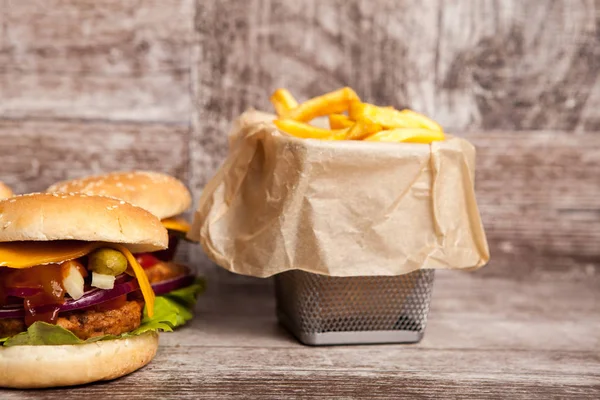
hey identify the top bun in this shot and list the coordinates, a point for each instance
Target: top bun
(76, 216)
(5, 191)
(161, 194)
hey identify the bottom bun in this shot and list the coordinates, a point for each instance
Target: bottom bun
(48, 366)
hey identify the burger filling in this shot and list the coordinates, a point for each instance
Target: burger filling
(111, 319)
(99, 292)
(159, 266)
(94, 295)
(168, 278)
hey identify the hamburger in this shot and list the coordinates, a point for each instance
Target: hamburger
(167, 198)
(75, 305)
(5, 191)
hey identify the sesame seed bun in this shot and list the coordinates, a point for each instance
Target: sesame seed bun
(161, 194)
(5, 191)
(76, 216)
(28, 367)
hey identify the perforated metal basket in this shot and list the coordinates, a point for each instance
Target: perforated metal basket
(325, 310)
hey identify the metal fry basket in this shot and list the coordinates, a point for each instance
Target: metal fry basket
(327, 310)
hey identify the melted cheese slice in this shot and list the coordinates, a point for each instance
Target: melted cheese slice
(140, 275)
(176, 224)
(29, 254)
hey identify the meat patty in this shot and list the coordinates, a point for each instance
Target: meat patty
(88, 323)
(165, 270)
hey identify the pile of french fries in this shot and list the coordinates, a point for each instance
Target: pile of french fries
(351, 119)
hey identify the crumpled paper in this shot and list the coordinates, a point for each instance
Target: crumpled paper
(339, 208)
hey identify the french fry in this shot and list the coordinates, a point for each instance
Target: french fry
(407, 135)
(364, 121)
(304, 130)
(339, 121)
(362, 129)
(283, 101)
(331, 103)
(421, 120)
(339, 134)
(390, 118)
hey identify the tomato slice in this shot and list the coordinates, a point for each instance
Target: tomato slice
(146, 260)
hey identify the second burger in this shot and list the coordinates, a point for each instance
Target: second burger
(166, 197)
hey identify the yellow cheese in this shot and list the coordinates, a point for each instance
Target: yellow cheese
(140, 275)
(29, 254)
(176, 224)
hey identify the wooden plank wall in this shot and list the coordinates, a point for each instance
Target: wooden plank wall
(89, 86)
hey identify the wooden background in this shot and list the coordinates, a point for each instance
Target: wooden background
(95, 85)
(89, 86)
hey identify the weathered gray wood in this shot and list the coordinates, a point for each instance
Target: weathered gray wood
(487, 338)
(470, 64)
(538, 196)
(36, 153)
(518, 65)
(125, 60)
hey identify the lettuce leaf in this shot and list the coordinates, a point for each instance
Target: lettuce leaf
(178, 305)
(42, 333)
(170, 311)
(187, 296)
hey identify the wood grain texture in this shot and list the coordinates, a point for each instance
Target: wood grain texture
(518, 64)
(125, 60)
(538, 196)
(487, 338)
(36, 153)
(471, 64)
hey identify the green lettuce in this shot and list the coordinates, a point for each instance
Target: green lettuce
(187, 296)
(170, 311)
(42, 333)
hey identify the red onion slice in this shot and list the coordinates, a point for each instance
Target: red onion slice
(97, 296)
(172, 284)
(90, 298)
(11, 312)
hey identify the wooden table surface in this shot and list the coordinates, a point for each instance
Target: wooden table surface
(487, 337)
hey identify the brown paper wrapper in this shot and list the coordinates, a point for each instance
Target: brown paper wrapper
(339, 208)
